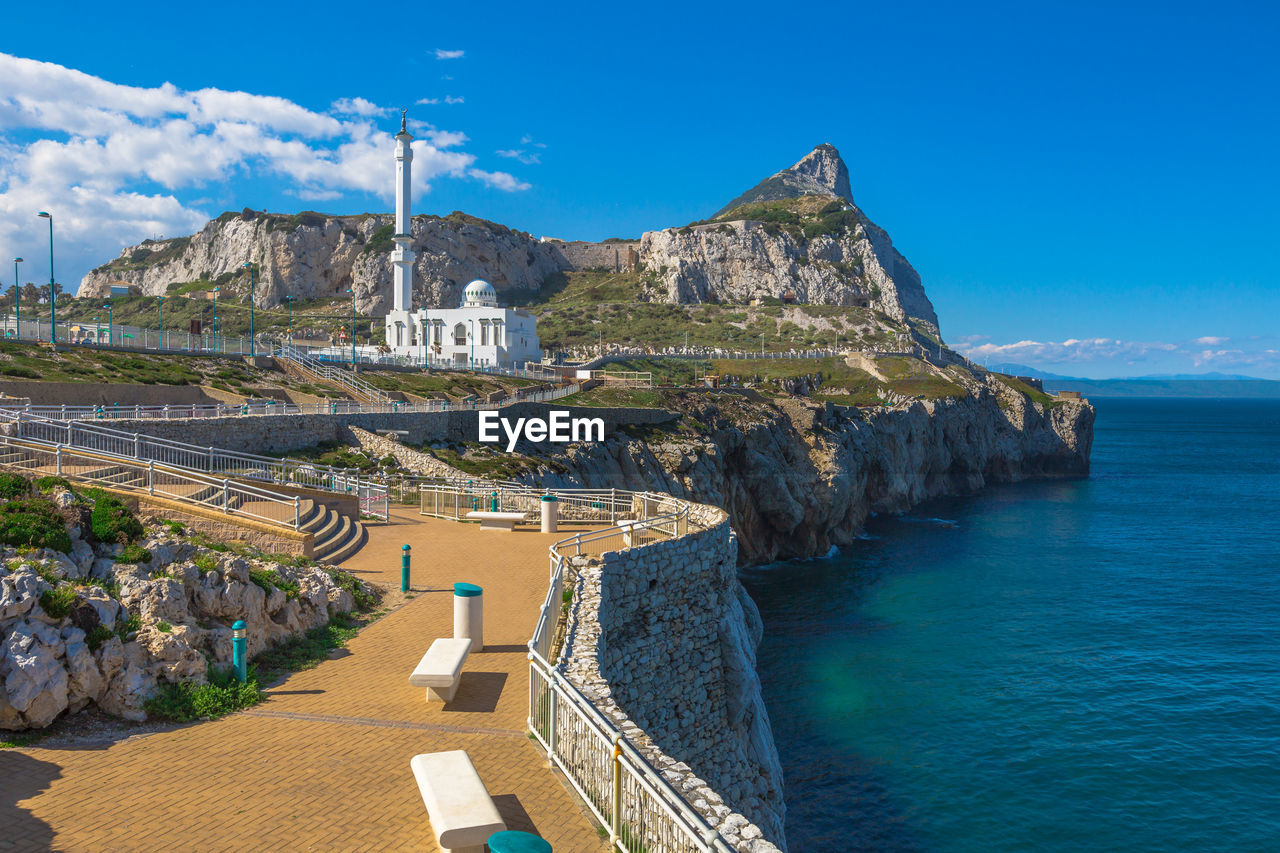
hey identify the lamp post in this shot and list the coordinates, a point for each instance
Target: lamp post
(288, 301)
(160, 305)
(53, 317)
(110, 324)
(353, 327)
(473, 343)
(215, 318)
(17, 297)
(250, 266)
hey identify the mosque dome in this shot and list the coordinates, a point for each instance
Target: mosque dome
(479, 294)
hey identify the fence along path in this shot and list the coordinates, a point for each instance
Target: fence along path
(318, 371)
(640, 808)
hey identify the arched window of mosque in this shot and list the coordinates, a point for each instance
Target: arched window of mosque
(460, 335)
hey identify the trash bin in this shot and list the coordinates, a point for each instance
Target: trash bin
(550, 513)
(511, 841)
(468, 614)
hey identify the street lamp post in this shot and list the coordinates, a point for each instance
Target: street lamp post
(53, 318)
(288, 301)
(110, 324)
(215, 318)
(353, 327)
(473, 343)
(250, 266)
(160, 304)
(17, 298)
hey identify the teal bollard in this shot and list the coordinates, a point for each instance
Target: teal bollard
(239, 646)
(404, 569)
(494, 506)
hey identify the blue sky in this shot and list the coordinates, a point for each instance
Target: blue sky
(1087, 188)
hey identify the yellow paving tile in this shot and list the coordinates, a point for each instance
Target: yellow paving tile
(324, 763)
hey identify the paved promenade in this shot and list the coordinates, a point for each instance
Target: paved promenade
(324, 764)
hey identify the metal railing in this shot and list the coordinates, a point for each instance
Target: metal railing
(321, 372)
(99, 438)
(122, 472)
(640, 808)
(274, 407)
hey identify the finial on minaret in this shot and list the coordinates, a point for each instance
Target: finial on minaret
(403, 129)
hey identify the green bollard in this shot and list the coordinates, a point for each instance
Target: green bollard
(404, 569)
(239, 644)
(494, 506)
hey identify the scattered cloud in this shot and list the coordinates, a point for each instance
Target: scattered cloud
(451, 99)
(358, 107)
(1204, 351)
(424, 102)
(526, 157)
(449, 54)
(117, 163)
(528, 140)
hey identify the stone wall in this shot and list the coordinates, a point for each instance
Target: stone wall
(105, 393)
(581, 255)
(413, 460)
(282, 433)
(662, 639)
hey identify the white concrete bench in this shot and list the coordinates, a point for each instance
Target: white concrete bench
(496, 520)
(441, 668)
(461, 811)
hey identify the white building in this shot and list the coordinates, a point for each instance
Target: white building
(478, 333)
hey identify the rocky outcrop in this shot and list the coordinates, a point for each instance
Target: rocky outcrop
(798, 476)
(838, 260)
(312, 256)
(132, 627)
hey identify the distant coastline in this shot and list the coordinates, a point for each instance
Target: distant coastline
(1204, 388)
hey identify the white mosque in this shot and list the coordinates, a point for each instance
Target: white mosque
(478, 333)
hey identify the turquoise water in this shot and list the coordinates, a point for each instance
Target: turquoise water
(1072, 665)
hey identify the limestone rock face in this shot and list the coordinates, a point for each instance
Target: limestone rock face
(311, 256)
(49, 665)
(740, 260)
(798, 476)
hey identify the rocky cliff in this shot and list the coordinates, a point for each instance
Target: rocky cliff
(796, 236)
(313, 256)
(798, 476)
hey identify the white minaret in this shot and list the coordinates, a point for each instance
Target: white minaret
(402, 256)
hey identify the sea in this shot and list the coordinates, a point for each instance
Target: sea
(1087, 665)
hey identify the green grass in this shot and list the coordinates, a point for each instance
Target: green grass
(605, 397)
(49, 485)
(133, 554)
(13, 486)
(307, 650)
(1026, 390)
(365, 596)
(33, 522)
(57, 603)
(269, 580)
(221, 695)
(97, 635)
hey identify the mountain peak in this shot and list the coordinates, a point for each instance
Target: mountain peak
(820, 172)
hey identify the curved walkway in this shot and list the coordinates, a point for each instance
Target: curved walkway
(324, 764)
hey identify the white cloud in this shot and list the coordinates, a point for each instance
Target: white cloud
(1211, 341)
(423, 102)
(450, 99)
(449, 54)
(358, 107)
(1070, 350)
(526, 157)
(116, 163)
(528, 140)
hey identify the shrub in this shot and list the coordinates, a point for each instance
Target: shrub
(18, 371)
(133, 554)
(35, 522)
(204, 563)
(57, 603)
(112, 520)
(164, 627)
(14, 486)
(222, 695)
(365, 597)
(98, 635)
(177, 528)
(48, 485)
(127, 626)
(269, 579)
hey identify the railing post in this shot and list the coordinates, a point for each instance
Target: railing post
(151, 476)
(297, 512)
(135, 446)
(58, 460)
(551, 723)
(613, 505)
(615, 812)
(226, 496)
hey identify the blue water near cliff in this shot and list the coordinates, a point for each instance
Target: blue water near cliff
(1070, 665)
